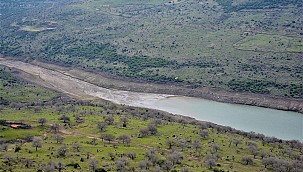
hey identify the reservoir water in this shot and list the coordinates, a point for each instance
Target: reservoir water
(281, 124)
(270, 122)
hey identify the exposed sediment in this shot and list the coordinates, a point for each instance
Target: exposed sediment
(101, 80)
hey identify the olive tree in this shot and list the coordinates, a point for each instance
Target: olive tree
(109, 120)
(197, 145)
(121, 164)
(124, 120)
(175, 157)
(125, 138)
(210, 162)
(167, 166)
(102, 126)
(204, 133)
(109, 137)
(62, 151)
(37, 142)
(152, 129)
(93, 164)
(42, 121)
(59, 138)
(247, 160)
(76, 146)
(27, 162)
(216, 147)
(66, 119)
(55, 128)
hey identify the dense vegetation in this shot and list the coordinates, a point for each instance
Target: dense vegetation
(73, 135)
(202, 43)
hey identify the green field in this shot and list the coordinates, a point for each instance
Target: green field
(34, 29)
(270, 43)
(228, 157)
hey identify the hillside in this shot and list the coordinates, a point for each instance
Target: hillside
(65, 134)
(235, 45)
(204, 48)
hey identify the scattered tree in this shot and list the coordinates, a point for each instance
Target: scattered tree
(124, 120)
(143, 132)
(167, 166)
(197, 145)
(170, 143)
(27, 162)
(152, 129)
(17, 148)
(131, 155)
(152, 157)
(62, 151)
(254, 150)
(66, 119)
(9, 160)
(37, 142)
(4, 147)
(210, 161)
(76, 146)
(269, 161)
(42, 121)
(55, 128)
(182, 143)
(216, 147)
(59, 138)
(102, 126)
(109, 120)
(50, 167)
(125, 138)
(2, 140)
(109, 137)
(60, 166)
(143, 165)
(175, 157)
(121, 164)
(236, 142)
(93, 164)
(204, 133)
(247, 160)
(263, 155)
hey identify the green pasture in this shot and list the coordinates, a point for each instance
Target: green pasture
(270, 43)
(176, 132)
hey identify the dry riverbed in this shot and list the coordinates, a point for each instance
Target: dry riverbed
(81, 89)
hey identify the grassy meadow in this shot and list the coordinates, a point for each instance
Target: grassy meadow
(228, 157)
